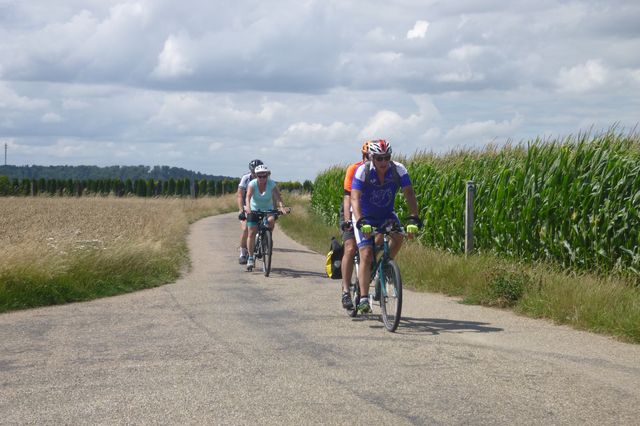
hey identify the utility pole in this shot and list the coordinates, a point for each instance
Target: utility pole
(5, 153)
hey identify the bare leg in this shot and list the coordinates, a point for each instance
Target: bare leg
(347, 263)
(395, 244)
(251, 238)
(364, 272)
(243, 235)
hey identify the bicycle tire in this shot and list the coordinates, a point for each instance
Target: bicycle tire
(267, 251)
(391, 299)
(354, 291)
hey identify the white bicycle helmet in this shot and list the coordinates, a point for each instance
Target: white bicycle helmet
(379, 147)
(261, 168)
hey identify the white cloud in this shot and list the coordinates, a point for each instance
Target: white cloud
(11, 100)
(477, 133)
(463, 76)
(173, 61)
(583, 77)
(387, 124)
(387, 57)
(51, 117)
(309, 135)
(71, 104)
(215, 146)
(419, 30)
(466, 52)
(208, 90)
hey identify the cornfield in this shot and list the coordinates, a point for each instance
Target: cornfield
(573, 201)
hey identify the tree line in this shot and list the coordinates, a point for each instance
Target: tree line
(128, 187)
(109, 172)
(117, 187)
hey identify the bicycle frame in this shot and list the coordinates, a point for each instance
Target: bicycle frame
(381, 261)
(387, 273)
(264, 233)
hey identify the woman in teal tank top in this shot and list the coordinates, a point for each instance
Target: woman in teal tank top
(262, 195)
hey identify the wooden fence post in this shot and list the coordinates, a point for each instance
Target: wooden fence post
(468, 219)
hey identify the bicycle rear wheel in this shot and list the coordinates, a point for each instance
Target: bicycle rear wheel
(354, 290)
(267, 250)
(391, 297)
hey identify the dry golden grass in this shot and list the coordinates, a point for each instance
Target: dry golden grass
(51, 236)
(64, 223)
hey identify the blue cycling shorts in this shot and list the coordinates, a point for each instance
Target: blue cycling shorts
(374, 222)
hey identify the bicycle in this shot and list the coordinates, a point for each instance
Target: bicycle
(263, 248)
(385, 276)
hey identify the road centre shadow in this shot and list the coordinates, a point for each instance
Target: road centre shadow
(438, 325)
(433, 326)
(284, 250)
(294, 273)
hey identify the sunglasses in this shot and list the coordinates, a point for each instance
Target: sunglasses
(262, 176)
(382, 157)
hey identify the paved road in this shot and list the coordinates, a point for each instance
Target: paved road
(223, 346)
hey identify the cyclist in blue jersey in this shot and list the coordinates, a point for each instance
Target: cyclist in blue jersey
(262, 195)
(373, 192)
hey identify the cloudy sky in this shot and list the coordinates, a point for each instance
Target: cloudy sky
(210, 85)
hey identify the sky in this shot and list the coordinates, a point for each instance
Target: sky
(301, 84)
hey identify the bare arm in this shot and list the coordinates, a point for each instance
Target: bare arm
(355, 204)
(239, 199)
(412, 202)
(346, 204)
(248, 199)
(277, 198)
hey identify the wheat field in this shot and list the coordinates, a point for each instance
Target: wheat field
(103, 245)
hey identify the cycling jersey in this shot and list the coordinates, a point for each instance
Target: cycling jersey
(262, 201)
(348, 178)
(377, 201)
(244, 183)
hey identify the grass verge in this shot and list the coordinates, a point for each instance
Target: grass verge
(605, 305)
(60, 250)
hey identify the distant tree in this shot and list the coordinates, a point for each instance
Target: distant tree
(91, 186)
(25, 187)
(179, 187)
(51, 186)
(128, 186)
(307, 186)
(68, 187)
(5, 186)
(211, 188)
(171, 187)
(202, 187)
(186, 187)
(42, 186)
(141, 188)
(151, 187)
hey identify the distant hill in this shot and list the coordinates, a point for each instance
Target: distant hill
(109, 172)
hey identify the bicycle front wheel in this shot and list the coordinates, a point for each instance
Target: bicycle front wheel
(267, 250)
(391, 297)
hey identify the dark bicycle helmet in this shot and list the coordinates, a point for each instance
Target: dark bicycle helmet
(253, 164)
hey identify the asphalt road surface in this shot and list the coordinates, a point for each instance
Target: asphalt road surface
(224, 346)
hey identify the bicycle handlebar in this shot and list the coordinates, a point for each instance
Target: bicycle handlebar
(273, 212)
(389, 227)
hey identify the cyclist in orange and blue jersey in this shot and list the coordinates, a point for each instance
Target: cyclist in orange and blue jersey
(348, 235)
(373, 192)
